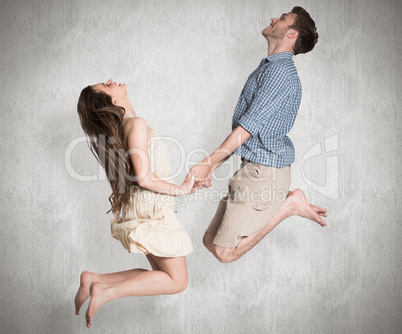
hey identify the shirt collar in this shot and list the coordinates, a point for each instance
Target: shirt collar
(277, 56)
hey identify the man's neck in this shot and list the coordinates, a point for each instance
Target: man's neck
(276, 47)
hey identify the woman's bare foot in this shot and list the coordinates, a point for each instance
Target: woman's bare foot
(303, 209)
(83, 291)
(98, 299)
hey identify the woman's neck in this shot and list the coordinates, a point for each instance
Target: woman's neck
(128, 106)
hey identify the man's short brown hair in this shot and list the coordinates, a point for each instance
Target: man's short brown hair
(305, 25)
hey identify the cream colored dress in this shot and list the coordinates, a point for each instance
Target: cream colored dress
(149, 224)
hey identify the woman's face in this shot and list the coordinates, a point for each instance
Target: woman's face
(116, 91)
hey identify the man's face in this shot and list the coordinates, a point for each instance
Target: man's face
(279, 26)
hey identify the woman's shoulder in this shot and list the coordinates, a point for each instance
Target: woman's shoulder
(137, 126)
(136, 121)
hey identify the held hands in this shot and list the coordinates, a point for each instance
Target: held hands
(202, 172)
(188, 187)
(198, 177)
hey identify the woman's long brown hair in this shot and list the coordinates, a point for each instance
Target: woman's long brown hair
(102, 121)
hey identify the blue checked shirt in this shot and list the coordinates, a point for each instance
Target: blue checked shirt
(267, 108)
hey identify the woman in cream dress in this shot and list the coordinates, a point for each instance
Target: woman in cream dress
(144, 221)
(149, 225)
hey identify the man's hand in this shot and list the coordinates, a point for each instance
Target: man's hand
(203, 170)
(202, 174)
(188, 187)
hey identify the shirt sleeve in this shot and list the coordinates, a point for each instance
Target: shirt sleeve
(273, 89)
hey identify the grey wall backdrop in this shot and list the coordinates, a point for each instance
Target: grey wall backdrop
(185, 63)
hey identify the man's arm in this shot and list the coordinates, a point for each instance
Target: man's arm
(203, 170)
(267, 100)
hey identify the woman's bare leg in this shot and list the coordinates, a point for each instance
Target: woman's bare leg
(87, 278)
(171, 278)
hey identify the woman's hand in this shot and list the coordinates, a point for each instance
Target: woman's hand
(187, 187)
(203, 173)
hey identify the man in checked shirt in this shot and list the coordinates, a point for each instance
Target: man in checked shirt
(259, 197)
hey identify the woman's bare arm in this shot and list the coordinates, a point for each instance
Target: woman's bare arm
(137, 139)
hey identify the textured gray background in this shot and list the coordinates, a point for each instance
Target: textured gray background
(185, 63)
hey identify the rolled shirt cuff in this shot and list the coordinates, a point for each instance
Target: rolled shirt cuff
(250, 125)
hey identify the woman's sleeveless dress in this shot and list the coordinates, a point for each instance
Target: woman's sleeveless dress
(149, 224)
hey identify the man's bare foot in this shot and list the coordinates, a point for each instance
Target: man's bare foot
(83, 291)
(303, 209)
(320, 211)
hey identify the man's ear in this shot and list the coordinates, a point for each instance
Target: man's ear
(292, 34)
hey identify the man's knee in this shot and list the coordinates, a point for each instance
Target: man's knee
(224, 255)
(207, 240)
